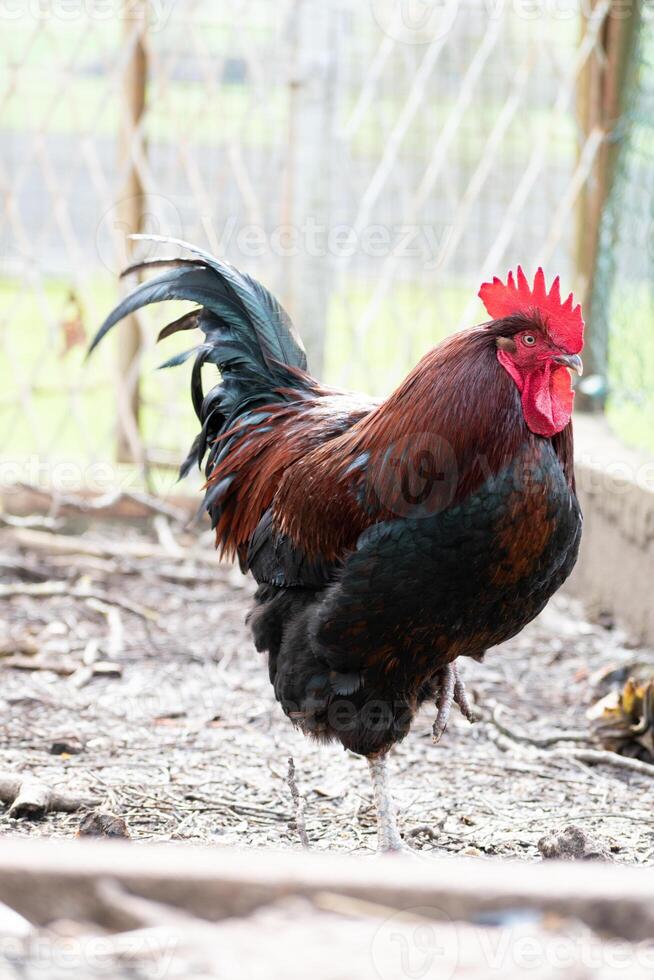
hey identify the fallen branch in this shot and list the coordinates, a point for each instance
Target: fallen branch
(250, 810)
(31, 521)
(63, 666)
(67, 544)
(29, 797)
(599, 757)
(542, 742)
(594, 757)
(106, 502)
(46, 590)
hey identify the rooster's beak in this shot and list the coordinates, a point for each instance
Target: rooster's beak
(572, 361)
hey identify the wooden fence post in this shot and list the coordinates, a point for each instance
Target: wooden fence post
(130, 214)
(599, 104)
(307, 275)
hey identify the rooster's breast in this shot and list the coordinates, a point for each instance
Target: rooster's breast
(424, 590)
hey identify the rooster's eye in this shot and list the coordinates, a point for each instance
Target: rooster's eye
(529, 339)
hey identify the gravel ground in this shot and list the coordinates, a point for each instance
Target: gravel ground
(127, 646)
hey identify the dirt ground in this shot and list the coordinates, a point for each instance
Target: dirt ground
(124, 650)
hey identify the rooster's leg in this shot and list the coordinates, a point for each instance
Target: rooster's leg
(388, 836)
(452, 691)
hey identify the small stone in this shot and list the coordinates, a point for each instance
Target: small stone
(106, 668)
(572, 844)
(99, 824)
(66, 746)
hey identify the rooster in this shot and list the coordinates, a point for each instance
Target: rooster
(387, 538)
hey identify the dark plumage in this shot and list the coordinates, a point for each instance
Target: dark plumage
(387, 538)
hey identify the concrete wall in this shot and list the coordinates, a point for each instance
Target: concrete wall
(615, 573)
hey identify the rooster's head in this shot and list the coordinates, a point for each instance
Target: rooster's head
(538, 340)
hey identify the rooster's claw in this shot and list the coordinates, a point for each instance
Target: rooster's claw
(452, 691)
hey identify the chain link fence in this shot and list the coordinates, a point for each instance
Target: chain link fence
(371, 162)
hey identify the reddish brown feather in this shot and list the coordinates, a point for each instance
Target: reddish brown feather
(260, 458)
(457, 400)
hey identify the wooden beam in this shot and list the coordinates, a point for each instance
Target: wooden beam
(130, 212)
(307, 272)
(47, 879)
(600, 102)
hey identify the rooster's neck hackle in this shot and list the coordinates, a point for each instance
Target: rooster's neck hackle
(459, 393)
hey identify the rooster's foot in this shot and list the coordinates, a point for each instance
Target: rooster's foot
(452, 691)
(389, 840)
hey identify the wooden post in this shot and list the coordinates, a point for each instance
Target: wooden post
(600, 104)
(130, 214)
(307, 273)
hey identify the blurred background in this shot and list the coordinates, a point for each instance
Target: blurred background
(371, 162)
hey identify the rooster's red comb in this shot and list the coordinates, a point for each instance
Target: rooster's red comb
(563, 320)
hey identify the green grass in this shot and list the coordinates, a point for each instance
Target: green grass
(630, 407)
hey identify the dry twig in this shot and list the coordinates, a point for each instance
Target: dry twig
(598, 757)
(68, 544)
(105, 502)
(538, 741)
(298, 803)
(47, 590)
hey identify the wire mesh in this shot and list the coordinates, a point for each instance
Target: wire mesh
(369, 166)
